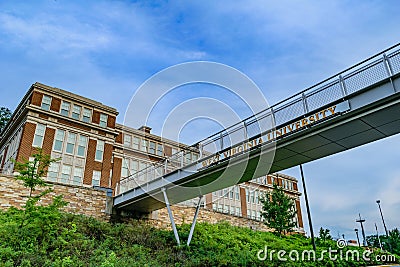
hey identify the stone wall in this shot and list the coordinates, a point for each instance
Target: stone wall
(182, 214)
(82, 200)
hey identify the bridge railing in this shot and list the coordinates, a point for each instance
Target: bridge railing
(358, 77)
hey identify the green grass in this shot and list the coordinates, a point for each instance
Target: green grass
(52, 238)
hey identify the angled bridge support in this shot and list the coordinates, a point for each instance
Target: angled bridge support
(171, 217)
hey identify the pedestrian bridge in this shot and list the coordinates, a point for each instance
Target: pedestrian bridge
(357, 106)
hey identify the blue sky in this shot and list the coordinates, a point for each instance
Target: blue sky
(106, 49)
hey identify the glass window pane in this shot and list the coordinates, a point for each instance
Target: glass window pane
(99, 150)
(127, 140)
(78, 174)
(159, 150)
(87, 114)
(70, 143)
(46, 102)
(65, 107)
(39, 134)
(76, 112)
(103, 120)
(136, 142)
(152, 147)
(66, 174)
(82, 146)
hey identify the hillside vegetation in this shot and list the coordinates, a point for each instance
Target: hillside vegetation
(47, 237)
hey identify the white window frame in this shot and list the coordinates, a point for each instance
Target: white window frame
(99, 150)
(96, 178)
(86, 112)
(74, 106)
(64, 104)
(103, 120)
(46, 102)
(38, 138)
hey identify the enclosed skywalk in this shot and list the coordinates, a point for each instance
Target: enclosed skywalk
(352, 108)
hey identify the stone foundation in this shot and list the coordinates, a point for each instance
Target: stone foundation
(182, 214)
(82, 200)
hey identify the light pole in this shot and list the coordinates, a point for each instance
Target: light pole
(361, 221)
(377, 235)
(358, 239)
(308, 208)
(384, 225)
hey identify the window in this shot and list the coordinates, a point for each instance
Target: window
(159, 150)
(87, 114)
(136, 142)
(237, 193)
(188, 158)
(96, 178)
(127, 140)
(66, 173)
(214, 206)
(65, 107)
(195, 157)
(58, 141)
(174, 151)
(39, 134)
(78, 174)
(125, 168)
(226, 209)
(76, 112)
(238, 211)
(103, 120)
(46, 102)
(231, 193)
(82, 146)
(134, 166)
(145, 144)
(152, 147)
(52, 174)
(99, 150)
(70, 143)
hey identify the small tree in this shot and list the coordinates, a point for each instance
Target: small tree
(324, 235)
(278, 211)
(32, 173)
(5, 115)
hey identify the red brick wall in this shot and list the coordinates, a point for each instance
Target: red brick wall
(55, 104)
(96, 117)
(25, 146)
(37, 98)
(111, 121)
(48, 140)
(243, 201)
(90, 162)
(118, 139)
(105, 173)
(298, 208)
(116, 175)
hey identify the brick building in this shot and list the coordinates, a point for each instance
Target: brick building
(96, 151)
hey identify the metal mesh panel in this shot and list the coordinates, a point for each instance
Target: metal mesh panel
(289, 112)
(253, 128)
(322, 97)
(394, 60)
(366, 77)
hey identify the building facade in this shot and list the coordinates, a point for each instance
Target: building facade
(96, 151)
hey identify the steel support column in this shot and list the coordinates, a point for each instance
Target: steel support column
(194, 220)
(171, 217)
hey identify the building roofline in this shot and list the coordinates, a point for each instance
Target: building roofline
(73, 96)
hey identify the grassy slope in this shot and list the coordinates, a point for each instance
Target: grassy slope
(58, 239)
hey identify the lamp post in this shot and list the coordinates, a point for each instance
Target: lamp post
(358, 239)
(377, 235)
(384, 225)
(361, 221)
(308, 209)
